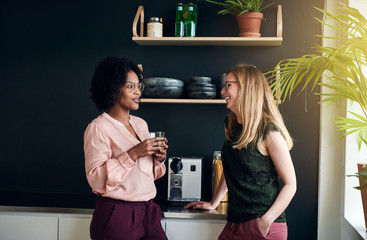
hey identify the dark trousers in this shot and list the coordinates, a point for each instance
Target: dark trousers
(119, 220)
(250, 231)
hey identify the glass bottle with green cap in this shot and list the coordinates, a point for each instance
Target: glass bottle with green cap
(179, 24)
(190, 24)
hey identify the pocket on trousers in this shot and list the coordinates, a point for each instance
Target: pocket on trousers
(257, 229)
(156, 215)
(127, 222)
(278, 230)
(120, 225)
(110, 220)
(101, 216)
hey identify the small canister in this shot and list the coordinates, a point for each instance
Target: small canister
(155, 27)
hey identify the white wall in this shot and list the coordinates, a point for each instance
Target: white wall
(331, 158)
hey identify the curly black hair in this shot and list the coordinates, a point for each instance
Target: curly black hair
(109, 76)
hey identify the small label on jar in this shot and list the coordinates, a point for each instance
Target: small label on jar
(155, 29)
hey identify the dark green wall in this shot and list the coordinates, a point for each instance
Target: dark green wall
(49, 50)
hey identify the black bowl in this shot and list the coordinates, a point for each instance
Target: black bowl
(200, 79)
(162, 81)
(202, 95)
(193, 88)
(163, 92)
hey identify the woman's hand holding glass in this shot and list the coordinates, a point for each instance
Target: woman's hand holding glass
(161, 141)
(150, 147)
(161, 153)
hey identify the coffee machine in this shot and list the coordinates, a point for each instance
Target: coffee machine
(184, 178)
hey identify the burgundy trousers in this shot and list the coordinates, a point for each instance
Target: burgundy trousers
(250, 231)
(120, 220)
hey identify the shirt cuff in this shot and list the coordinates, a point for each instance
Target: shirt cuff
(125, 160)
(156, 162)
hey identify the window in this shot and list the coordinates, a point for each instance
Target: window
(353, 210)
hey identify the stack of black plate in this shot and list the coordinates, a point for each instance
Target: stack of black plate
(160, 87)
(222, 82)
(201, 87)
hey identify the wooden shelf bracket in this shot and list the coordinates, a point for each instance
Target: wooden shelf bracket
(279, 21)
(139, 14)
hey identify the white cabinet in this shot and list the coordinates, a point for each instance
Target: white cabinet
(200, 229)
(74, 227)
(30, 227)
(163, 223)
(50, 225)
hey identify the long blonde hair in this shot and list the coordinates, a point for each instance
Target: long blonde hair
(255, 107)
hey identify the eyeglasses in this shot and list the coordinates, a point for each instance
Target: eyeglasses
(132, 86)
(227, 84)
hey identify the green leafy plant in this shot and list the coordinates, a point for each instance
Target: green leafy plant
(346, 64)
(237, 7)
(361, 175)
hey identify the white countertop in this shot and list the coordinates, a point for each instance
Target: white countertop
(167, 212)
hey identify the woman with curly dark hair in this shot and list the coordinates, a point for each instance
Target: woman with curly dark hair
(121, 160)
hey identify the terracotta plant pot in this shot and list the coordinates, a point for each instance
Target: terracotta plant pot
(362, 167)
(249, 24)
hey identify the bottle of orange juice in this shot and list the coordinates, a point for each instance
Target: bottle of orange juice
(217, 173)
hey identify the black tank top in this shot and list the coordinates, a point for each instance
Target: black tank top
(252, 180)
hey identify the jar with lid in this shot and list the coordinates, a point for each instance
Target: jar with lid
(217, 173)
(155, 27)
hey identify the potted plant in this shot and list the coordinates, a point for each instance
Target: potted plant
(347, 80)
(247, 12)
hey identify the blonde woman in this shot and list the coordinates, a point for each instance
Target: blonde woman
(255, 157)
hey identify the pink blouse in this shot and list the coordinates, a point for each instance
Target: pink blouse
(110, 170)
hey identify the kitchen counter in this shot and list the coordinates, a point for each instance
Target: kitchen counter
(19, 209)
(167, 211)
(220, 213)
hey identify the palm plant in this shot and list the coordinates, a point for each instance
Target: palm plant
(363, 177)
(345, 63)
(237, 7)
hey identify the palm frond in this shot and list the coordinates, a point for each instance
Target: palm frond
(361, 175)
(345, 64)
(237, 7)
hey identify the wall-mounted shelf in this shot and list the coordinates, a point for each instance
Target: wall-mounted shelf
(166, 100)
(205, 41)
(208, 41)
